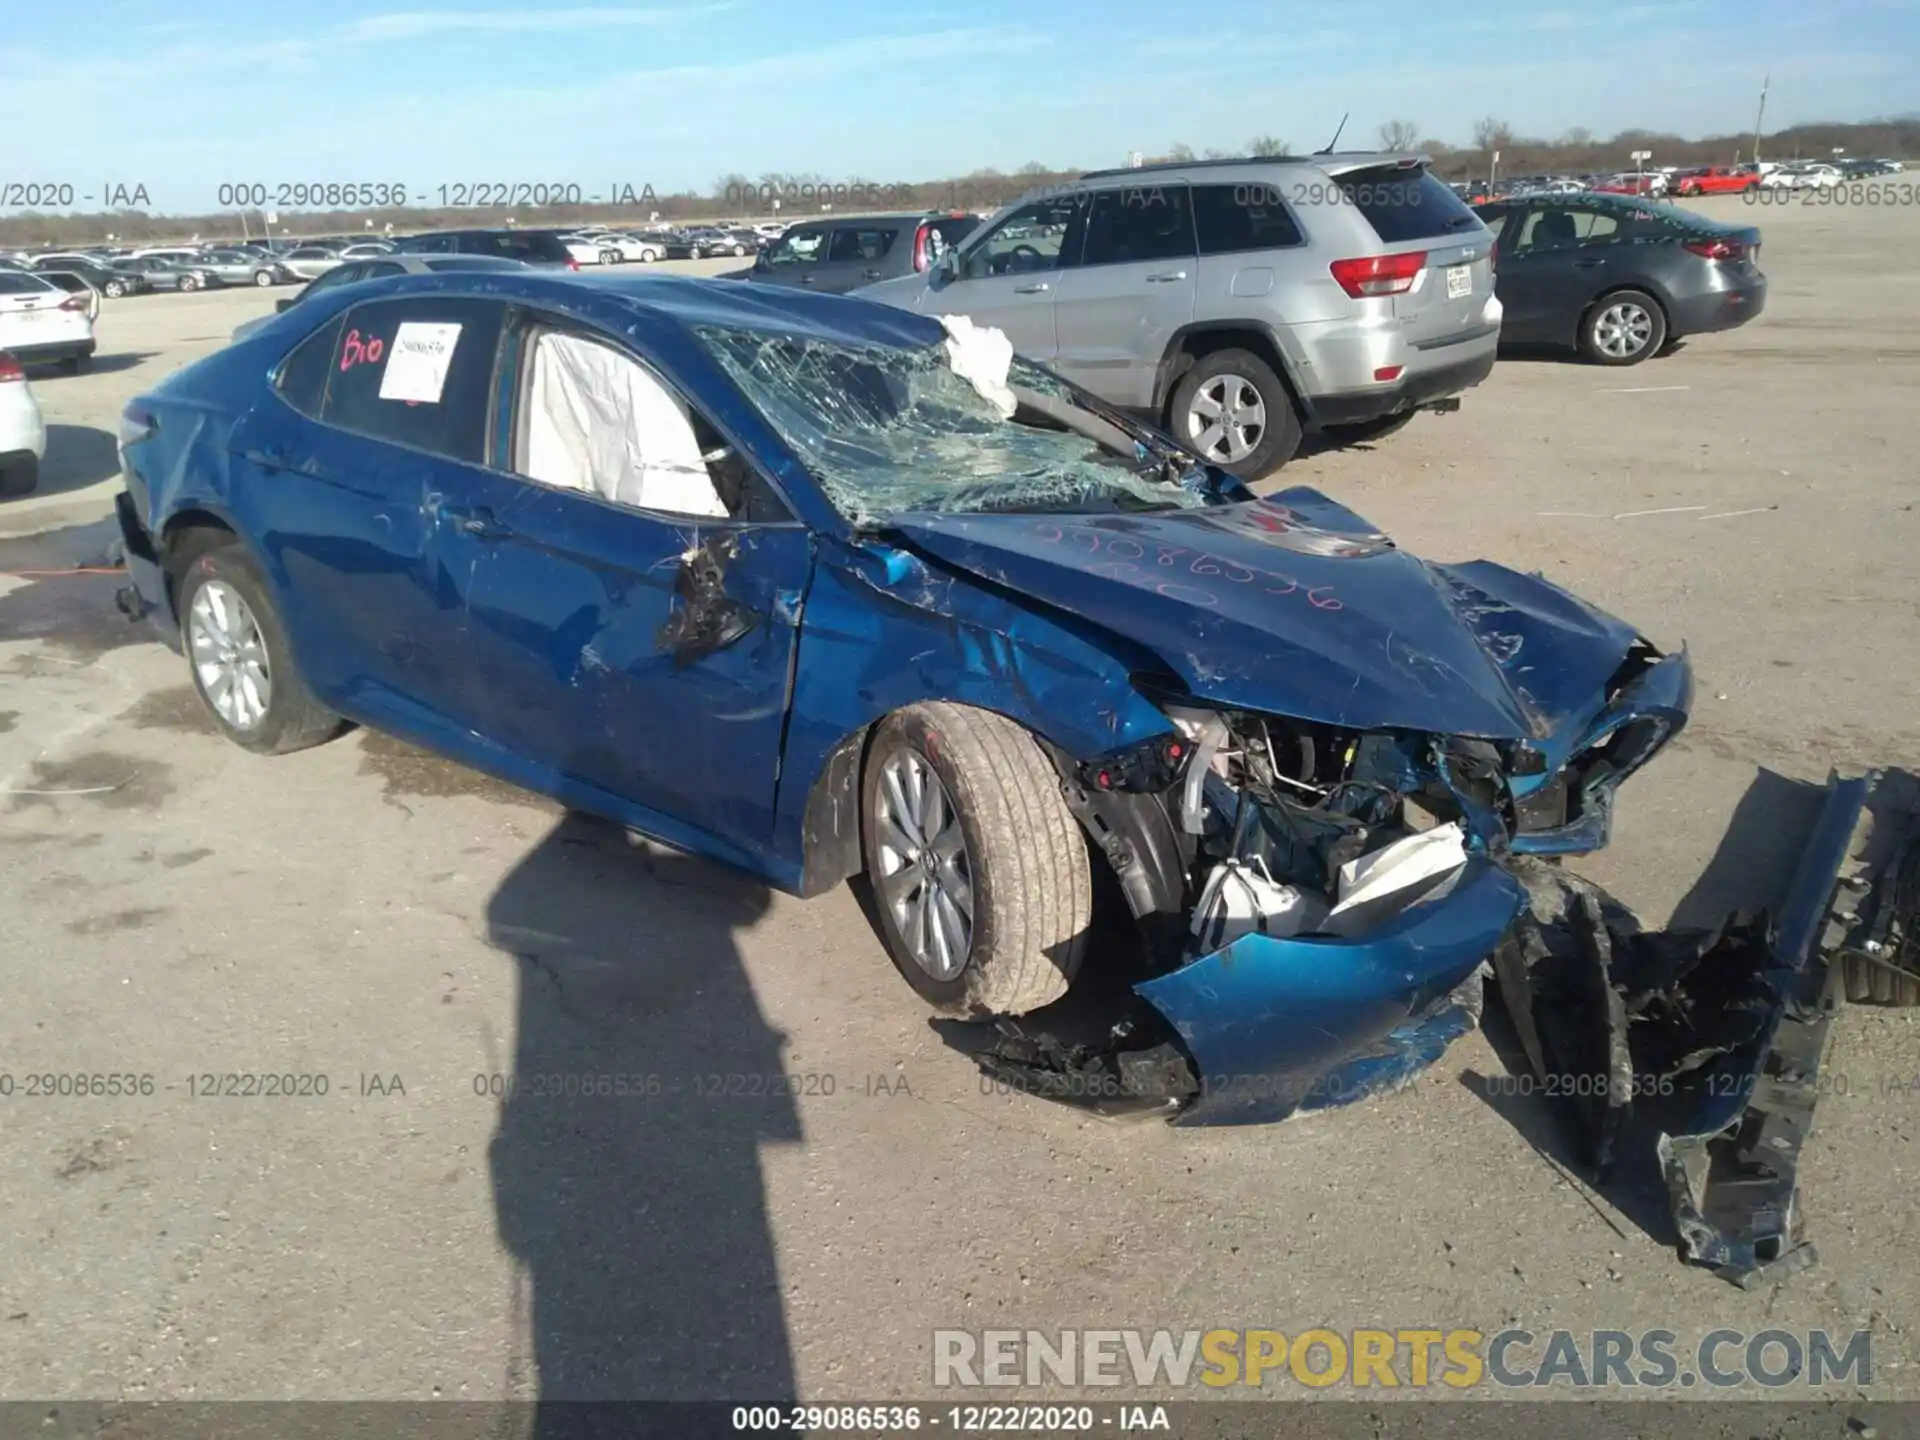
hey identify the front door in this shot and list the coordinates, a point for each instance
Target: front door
(1009, 278)
(1553, 259)
(633, 619)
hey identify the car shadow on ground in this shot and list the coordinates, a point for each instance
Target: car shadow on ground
(99, 365)
(639, 1218)
(77, 456)
(1750, 871)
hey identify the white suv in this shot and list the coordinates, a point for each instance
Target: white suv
(40, 322)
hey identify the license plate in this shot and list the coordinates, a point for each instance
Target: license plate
(27, 316)
(1459, 281)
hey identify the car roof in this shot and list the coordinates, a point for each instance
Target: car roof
(685, 301)
(1333, 162)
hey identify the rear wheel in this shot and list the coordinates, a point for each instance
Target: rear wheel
(1232, 410)
(982, 883)
(113, 289)
(1623, 328)
(263, 277)
(241, 663)
(77, 364)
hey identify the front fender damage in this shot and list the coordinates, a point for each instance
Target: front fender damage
(1697, 1051)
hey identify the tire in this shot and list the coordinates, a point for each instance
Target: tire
(694, 253)
(189, 282)
(291, 718)
(1871, 982)
(1020, 857)
(77, 364)
(1752, 186)
(1364, 432)
(113, 289)
(21, 480)
(1213, 378)
(608, 257)
(647, 257)
(263, 278)
(1613, 315)
(739, 250)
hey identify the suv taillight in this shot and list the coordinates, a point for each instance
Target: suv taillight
(1718, 249)
(10, 368)
(75, 302)
(921, 259)
(1377, 275)
(572, 264)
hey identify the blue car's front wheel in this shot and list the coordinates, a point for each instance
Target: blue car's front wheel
(982, 884)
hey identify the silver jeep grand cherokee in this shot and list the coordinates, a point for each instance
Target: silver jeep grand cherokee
(1238, 303)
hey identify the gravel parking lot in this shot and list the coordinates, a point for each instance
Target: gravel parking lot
(817, 1182)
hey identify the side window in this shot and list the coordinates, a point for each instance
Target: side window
(303, 374)
(797, 247)
(1235, 218)
(1044, 235)
(859, 242)
(1137, 223)
(417, 372)
(1592, 226)
(383, 267)
(592, 418)
(1553, 228)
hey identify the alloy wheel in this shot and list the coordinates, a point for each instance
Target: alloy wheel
(926, 876)
(1226, 419)
(229, 655)
(1622, 329)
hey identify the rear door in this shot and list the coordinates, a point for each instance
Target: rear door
(355, 475)
(1116, 312)
(857, 254)
(1009, 277)
(1414, 213)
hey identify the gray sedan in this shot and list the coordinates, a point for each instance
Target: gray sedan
(246, 267)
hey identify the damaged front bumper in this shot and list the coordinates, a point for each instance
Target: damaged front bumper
(1278, 1025)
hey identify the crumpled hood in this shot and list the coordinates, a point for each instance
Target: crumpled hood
(1294, 605)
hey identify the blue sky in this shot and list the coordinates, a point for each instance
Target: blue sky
(182, 95)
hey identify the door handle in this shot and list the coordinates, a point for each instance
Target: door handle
(806, 279)
(1030, 289)
(1167, 276)
(1589, 262)
(871, 274)
(478, 522)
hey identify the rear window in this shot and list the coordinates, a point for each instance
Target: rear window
(1233, 218)
(1406, 204)
(532, 246)
(19, 282)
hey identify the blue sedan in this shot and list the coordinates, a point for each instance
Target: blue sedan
(823, 589)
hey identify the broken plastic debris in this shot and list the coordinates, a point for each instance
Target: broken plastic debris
(1377, 887)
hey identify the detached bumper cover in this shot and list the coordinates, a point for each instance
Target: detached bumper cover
(146, 597)
(1708, 1045)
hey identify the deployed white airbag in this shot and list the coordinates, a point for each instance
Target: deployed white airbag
(1242, 898)
(601, 423)
(981, 356)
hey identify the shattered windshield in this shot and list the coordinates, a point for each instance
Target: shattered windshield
(889, 430)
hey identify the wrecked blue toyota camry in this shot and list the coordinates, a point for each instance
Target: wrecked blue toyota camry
(823, 589)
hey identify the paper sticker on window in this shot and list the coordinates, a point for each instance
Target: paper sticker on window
(417, 362)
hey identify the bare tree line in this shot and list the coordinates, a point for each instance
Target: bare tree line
(735, 195)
